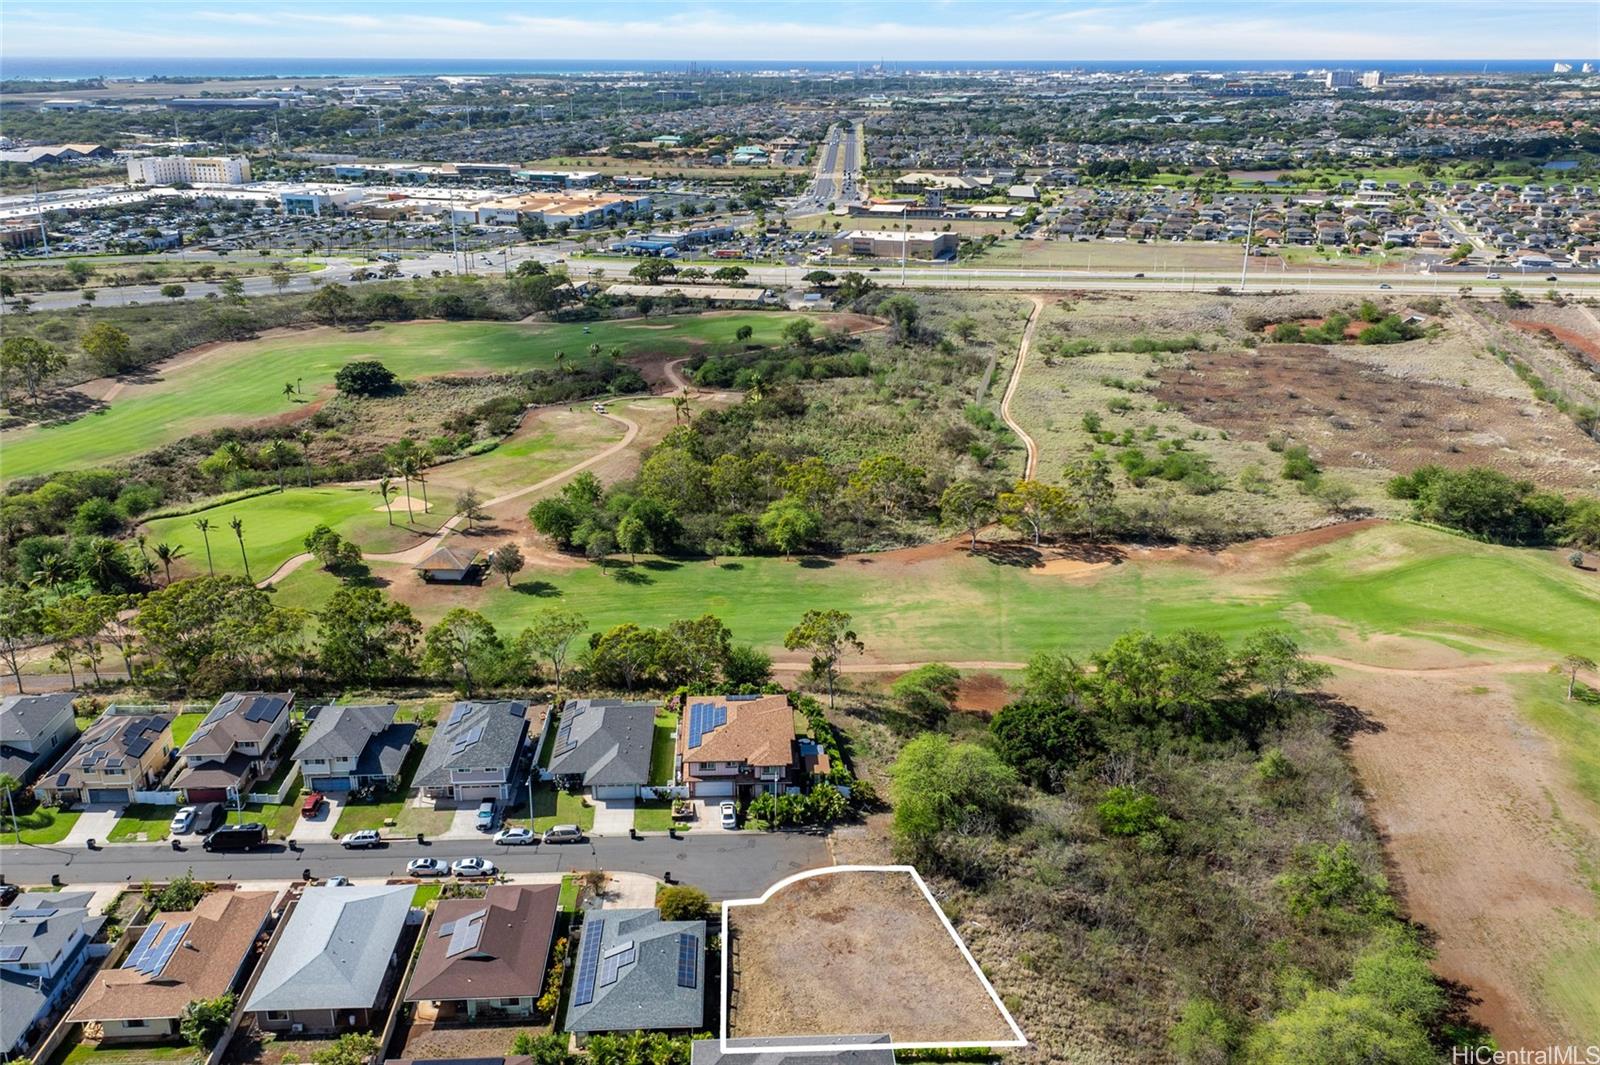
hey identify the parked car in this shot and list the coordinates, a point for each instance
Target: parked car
(730, 815)
(183, 821)
(8, 894)
(208, 815)
(245, 837)
(339, 881)
(514, 837)
(427, 867)
(366, 837)
(472, 867)
(563, 834)
(313, 804)
(486, 816)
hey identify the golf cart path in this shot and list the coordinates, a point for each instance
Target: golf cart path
(1032, 465)
(411, 556)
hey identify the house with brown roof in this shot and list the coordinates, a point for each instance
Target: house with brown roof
(734, 746)
(178, 958)
(450, 564)
(239, 743)
(126, 750)
(485, 958)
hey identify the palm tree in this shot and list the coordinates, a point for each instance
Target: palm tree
(680, 408)
(141, 541)
(288, 390)
(276, 452)
(386, 489)
(51, 571)
(422, 479)
(408, 470)
(305, 452)
(204, 525)
(103, 562)
(168, 555)
(237, 525)
(561, 359)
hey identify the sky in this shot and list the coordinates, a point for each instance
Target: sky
(864, 30)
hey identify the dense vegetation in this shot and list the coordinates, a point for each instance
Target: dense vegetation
(1171, 841)
(1487, 504)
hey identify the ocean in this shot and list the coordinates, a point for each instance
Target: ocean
(59, 68)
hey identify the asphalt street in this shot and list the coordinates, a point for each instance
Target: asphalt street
(724, 864)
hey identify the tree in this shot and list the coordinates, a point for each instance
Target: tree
(1272, 660)
(507, 561)
(965, 505)
(331, 304)
(790, 524)
(1340, 1029)
(551, 635)
(927, 693)
(237, 525)
(798, 332)
(652, 269)
(623, 655)
(827, 635)
(386, 490)
(819, 278)
(548, 1048)
(107, 346)
(463, 642)
(232, 289)
(352, 1048)
(938, 785)
(683, 902)
(204, 525)
(633, 536)
(364, 637)
(279, 452)
(21, 622)
(731, 274)
(204, 1020)
(469, 504)
(28, 362)
(216, 626)
(367, 377)
(1092, 492)
(167, 555)
(743, 333)
(1570, 665)
(1033, 507)
(903, 312)
(695, 651)
(281, 275)
(173, 291)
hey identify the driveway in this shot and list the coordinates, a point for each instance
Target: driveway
(95, 822)
(319, 828)
(463, 825)
(612, 817)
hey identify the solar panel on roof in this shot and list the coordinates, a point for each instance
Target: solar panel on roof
(588, 962)
(465, 933)
(615, 958)
(688, 960)
(156, 958)
(136, 956)
(12, 953)
(137, 745)
(456, 715)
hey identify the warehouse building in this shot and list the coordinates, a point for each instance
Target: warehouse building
(886, 244)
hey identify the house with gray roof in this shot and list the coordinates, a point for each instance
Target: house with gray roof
(632, 970)
(44, 948)
(239, 743)
(350, 747)
(475, 751)
(604, 745)
(336, 961)
(33, 730)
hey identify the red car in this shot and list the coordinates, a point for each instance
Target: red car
(313, 804)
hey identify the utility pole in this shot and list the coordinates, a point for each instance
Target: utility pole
(1249, 232)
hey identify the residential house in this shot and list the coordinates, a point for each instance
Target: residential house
(335, 962)
(474, 752)
(347, 748)
(875, 1050)
(238, 744)
(604, 745)
(735, 746)
(44, 944)
(178, 958)
(486, 957)
(34, 730)
(124, 751)
(634, 971)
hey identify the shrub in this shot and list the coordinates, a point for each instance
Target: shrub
(683, 902)
(367, 377)
(1127, 811)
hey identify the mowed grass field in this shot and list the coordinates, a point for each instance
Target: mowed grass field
(244, 381)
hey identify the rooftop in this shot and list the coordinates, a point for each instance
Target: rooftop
(493, 947)
(335, 949)
(605, 741)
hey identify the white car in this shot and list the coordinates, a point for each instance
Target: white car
(339, 881)
(182, 821)
(730, 815)
(367, 837)
(514, 837)
(427, 867)
(472, 867)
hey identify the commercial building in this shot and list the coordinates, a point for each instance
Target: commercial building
(189, 169)
(1372, 79)
(1340, 79)
(885, 244)
(577, 210)
(315, 200)
(223, 103)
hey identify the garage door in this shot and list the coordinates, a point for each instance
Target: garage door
(714, 789)
(330, 785)
(616, 791)
(477, 792)
(108, 794)
(207, 794)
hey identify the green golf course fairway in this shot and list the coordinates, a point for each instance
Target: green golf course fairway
(244, 381)
(1385, 579)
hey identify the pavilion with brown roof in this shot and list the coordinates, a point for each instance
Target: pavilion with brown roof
(735, 745)
(486, 957)
(178, 958)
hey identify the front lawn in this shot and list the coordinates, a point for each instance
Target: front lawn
(553, 806)
(569, 894)
(279, 818)
(44, 824)
(143, 821)
(394, 804)
(661, 749)
(425, 894)
(655, 815)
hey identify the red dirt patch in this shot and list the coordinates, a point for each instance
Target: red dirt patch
(982, 693)
(1586, 346)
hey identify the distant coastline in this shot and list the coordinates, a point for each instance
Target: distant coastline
(74, 68)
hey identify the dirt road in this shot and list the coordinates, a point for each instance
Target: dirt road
(1032, 465)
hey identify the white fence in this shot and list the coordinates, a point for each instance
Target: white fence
(290, 783)
(156, 798)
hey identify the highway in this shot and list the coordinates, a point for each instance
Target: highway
(838, 168)
(725, 864)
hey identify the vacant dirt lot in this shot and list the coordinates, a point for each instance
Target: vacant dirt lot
(1358, 416)
(851, 954)
(1489, 842)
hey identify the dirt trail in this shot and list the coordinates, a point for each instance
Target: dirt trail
(412, 555)
(1032, 464)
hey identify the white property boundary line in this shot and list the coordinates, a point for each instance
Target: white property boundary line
(837, 1048)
